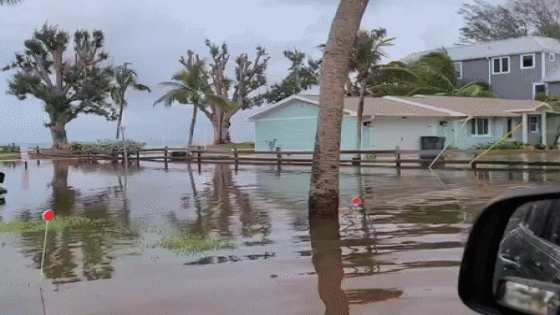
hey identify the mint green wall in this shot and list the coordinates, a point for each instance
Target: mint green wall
(290, 135)
(294, 126)
(295, 108)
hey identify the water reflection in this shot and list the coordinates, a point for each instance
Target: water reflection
(418, 220)
(224, 210)
(327, 260)
(330, 263)
(78, 248)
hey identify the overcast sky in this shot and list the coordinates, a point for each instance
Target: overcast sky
(152, 35)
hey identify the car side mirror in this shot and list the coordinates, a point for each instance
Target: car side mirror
(511, 263)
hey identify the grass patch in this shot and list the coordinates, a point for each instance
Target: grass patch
(231, 146)
(58, 224)
(192, 244)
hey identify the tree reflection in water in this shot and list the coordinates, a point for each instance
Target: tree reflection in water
(327, 260)
(86, 238)
(218, 207)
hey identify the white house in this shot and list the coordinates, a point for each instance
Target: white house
(392, 121)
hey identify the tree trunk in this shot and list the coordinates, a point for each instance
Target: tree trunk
(359, 118)
(191, 129)
(58, 135)
(226, 138)
(119, 121)
(324, 187)
(221, 128)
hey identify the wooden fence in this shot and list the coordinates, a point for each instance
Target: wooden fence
(400, 159)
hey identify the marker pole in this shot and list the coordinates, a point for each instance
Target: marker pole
(44, 248)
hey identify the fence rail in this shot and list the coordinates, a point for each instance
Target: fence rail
(400, 159)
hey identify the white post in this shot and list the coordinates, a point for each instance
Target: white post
(544, 130)
(524, 123)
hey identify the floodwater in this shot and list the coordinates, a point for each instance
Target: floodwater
(213, 240)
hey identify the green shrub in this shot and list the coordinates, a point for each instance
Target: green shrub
(108, 145)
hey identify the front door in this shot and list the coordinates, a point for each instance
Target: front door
(534, 128)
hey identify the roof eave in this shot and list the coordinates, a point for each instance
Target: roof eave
(280, 103)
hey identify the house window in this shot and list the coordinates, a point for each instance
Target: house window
(551, 57)
(500, 65)
(527, 61)
(458, 69)
(509, 127)
(533, 123)
(538, 89)
(479, 126)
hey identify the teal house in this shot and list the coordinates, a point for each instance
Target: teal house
(391, 121)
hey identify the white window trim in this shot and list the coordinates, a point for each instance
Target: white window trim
(537, 124)
(539, 83)
(501, 64)
(460, 63)
(521, 61)
(551, 57)
(489, 128)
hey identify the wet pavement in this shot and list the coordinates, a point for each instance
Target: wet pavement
(211, 240)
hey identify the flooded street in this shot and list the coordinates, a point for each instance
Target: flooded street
(212, 240)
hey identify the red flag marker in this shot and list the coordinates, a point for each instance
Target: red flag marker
(48, 215)
(357, 201)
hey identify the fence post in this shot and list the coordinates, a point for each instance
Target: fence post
(137, 157)
(473, 164)
(279, 157)
(165, 156)
(236, 157)
(398, 157)
(89, 157)
(37, 148)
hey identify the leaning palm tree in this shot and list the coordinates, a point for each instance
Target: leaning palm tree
(191, 86)
(124, 78)
(3, 2)
(369, 51)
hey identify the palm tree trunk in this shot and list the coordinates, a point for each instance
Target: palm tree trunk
(324, 187)
(359, 118)
(191, 131)
(119, 121)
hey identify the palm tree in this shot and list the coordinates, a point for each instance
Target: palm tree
(430, 75)
(191, 86)
(3, 2)
(124, 78)
(324, 186)
(369, 51)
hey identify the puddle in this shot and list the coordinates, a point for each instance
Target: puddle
(211, 239)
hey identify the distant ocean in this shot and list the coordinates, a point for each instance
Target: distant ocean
(149, 144)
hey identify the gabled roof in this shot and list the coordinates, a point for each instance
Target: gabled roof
(513, 46)
(426, 106)
(481, 107)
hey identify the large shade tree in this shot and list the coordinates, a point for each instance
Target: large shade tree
(249, 78)
(125, 78)
(67, 86)
(192, 86)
